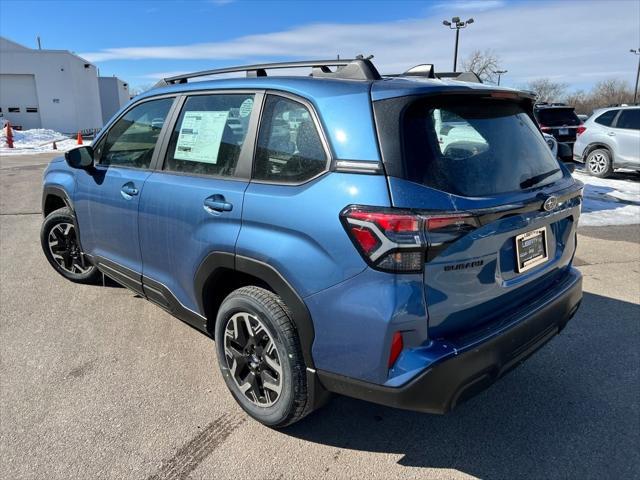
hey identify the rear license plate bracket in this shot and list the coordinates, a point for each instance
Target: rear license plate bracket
(531, 249)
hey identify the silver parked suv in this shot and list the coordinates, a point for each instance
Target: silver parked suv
(610, 140)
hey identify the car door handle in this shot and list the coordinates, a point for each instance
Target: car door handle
(129, 190)
(217, 203)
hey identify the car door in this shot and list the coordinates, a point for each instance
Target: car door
(627, 134)
(107, 195)
(192, 204)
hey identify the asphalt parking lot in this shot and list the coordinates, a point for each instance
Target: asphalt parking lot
(96, 383)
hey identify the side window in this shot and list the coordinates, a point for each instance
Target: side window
(289, 146)
(131, 140)
(629, 119)
(606, 118)
(209, 134)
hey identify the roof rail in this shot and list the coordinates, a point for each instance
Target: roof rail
(359, 68)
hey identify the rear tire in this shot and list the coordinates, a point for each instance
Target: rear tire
(58, 237)
(599, 163)
(260, 357)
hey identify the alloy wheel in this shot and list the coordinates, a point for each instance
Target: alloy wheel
(64, 248)
(598, 163)
(252, 359)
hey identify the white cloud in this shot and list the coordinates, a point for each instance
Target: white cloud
(542, 39)
(462, 6)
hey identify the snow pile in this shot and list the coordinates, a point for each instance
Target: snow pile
(35, 141)
(610, 201)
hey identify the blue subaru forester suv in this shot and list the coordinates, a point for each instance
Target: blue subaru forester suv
(401, 239)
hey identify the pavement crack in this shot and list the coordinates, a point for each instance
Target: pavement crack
(191, 454)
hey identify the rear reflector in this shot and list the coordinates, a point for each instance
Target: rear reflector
(396, 347)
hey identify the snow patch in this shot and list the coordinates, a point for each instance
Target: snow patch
(36, 140)
(610, 201)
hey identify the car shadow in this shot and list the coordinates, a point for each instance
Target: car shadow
(571, 411)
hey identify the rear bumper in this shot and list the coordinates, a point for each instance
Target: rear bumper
(446, 383)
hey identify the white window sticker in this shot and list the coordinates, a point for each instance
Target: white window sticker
(200, 136)
(245, 107)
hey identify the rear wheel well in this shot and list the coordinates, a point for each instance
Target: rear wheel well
(219, 285)
(53, 203)
(595, 146)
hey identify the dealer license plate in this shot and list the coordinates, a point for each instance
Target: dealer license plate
(531, 249)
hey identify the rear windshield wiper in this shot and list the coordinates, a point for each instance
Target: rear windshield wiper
(530, 182)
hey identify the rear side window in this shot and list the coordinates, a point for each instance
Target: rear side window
(557, 116)
(132, 139)
(209, 134)
(475, 148)
(289, 146)
(629, 119)
(606, 118)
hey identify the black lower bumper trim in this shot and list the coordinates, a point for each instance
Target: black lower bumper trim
(440, 388)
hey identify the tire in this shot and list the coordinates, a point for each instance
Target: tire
(60, 246)
(599, 163)
(247, 360)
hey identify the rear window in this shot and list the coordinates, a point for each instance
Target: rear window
(475, 148)
(557, 116)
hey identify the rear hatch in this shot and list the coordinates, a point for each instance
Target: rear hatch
(500, 212)
(561, 122)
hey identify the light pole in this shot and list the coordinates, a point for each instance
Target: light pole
(636, 51)
(456, 24)
(500, 73)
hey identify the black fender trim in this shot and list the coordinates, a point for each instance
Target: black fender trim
(273, 278)
(159, 294)
(56, 192)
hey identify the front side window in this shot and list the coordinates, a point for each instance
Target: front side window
(629, 119)
(209, 134)
(289, 146)
(475, 147)
(606, 118)
(132, 139)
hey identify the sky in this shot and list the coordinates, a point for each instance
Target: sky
(578, 42)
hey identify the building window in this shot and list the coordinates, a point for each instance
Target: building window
(56, 100)
(32, 109)
(14, 109)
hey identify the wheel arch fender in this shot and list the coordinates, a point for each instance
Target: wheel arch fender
(54, 197)
(217, 263)
(594, 146)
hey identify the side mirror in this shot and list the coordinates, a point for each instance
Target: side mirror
(80, 157)
(565, 153)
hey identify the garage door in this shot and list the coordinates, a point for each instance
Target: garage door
(19, 101)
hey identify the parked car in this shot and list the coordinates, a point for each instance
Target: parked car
(333, 240)
(559, 120)
(583, 118)
(610, 140)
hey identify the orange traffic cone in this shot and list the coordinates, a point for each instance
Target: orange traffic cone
(55, 147)
(79, 138)
(9, 135)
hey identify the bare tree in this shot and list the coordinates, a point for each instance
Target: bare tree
(607, 92)
(484, 64)
(547, 90)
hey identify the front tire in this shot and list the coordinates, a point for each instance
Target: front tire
(599, 163)
(59, 240)
(260, 358)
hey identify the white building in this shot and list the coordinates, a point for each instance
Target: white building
(114, 93)
(52, 89)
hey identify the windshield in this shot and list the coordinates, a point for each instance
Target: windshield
(557, 117)
(475, 147)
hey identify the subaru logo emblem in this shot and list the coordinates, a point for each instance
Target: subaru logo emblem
(550, 203)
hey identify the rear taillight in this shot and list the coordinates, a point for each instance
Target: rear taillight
(545, 128)
(388, 240)
(399, 241)
(580, 130)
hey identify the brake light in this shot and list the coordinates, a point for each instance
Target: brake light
(398, 241)
(396, 347)
(545, 128)
(580, 130)
(389, 240)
